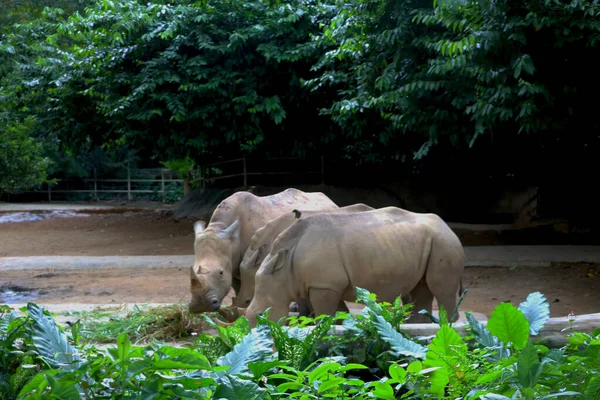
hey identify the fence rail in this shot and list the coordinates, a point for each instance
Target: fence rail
(95, 191)
(203, 171)
(201, 175)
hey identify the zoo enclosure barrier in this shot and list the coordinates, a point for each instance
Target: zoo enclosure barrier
(209, 173)
(160, 181)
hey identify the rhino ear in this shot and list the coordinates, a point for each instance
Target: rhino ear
(232, 231)
(277, 262)
(199, 227)
(250, 258)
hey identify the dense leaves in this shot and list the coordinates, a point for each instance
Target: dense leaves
(22, 161)
(447, 76)
(368, 80)
(453, 366)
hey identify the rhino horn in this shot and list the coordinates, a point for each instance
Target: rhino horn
(224, 324)
(230, 231)
(199, 227)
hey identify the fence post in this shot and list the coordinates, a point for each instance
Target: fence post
(162, 178)
(95, 185)
(322, 171)
(128, 183)
(245, 174)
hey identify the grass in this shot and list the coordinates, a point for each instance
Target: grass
(142, 324)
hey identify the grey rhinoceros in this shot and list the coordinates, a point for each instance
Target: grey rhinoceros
(388, 251)
(219, 247)
(260, 245)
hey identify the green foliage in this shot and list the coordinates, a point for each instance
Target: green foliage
(294, 345)
(172, 80)
(509, 325)
(413, 78)
(369, 80)
(22, 162)
(453, 366)
(50, 341)
(400, 345)
(445, 353)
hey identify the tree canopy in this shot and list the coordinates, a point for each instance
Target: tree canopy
(365, 80)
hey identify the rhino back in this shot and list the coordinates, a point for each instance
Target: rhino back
(374, 250)
(256, 211)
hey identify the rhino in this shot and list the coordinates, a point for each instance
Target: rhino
(219, 247)
(260, 244)
(388, 251)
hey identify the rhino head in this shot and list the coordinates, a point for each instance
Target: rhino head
(248, 268)
(211, 274)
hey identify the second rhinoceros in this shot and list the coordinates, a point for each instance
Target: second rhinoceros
(388, 251)
(260, 245)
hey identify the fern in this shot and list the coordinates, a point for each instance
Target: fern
(289, 348)
(312, 339)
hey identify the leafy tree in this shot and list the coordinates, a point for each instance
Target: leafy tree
(197, 78)
(24, 147)
(22, 164)
(460, 73)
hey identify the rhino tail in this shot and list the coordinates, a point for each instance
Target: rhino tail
(460, 289)
(297, 214)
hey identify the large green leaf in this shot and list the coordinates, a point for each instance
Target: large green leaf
(399, 343)
(232, 387)
(537, 311)
(442, 353)
(51, 343)
(38, 383)
(528, 366)
(509, 324)
(63, 389)
(254, 347)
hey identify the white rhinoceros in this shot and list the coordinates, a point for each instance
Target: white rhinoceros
(260, 245)
(219, 247)
(388, 251)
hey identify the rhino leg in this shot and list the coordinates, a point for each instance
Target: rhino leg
(324, 301)
(423, 299)
(304, 308)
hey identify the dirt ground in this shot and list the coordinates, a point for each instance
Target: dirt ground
(567, 287)
(98, 233)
